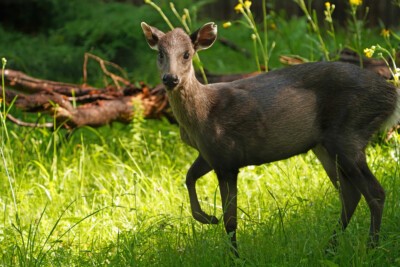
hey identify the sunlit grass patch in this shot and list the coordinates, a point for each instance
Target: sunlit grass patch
(117, 197)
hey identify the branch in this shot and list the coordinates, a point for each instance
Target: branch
(29, 124)
(116, 79)
(19, 81)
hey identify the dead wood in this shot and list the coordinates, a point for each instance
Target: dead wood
(74, 105)
(103, 65)
(376, 65)
(19, 81)
(29, 124)
(349, 56)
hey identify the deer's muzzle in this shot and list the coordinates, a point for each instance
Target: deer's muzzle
(170, 81)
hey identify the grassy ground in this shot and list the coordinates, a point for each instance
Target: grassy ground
(116, 196)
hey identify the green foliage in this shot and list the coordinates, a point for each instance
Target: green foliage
(115, 196)
(111, 31)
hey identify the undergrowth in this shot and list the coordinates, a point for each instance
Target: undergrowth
(115, 196)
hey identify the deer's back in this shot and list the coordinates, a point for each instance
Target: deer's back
(287, 112)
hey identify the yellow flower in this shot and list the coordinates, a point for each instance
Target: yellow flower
(239, 8)
(227, 24)
(385, 33)
(355, 2)
(247, 4)
(369, 52)
(327, 5)
(328, 11)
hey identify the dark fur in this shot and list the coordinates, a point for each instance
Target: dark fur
(331, 108)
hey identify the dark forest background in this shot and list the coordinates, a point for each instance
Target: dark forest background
(48, 38)
(31, 16)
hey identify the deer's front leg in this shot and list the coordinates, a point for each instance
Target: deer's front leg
(199, 168)
(228, 189)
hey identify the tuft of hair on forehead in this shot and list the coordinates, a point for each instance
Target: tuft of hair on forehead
(175, 39)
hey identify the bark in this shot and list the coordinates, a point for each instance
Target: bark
(74, 105)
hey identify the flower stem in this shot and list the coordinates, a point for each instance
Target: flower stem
(159, 10)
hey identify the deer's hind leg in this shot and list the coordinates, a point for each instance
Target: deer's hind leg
(355, 178)
(349, 195)
(373, 193)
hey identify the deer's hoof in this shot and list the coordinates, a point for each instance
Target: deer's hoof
(213, 220)
(205, 218)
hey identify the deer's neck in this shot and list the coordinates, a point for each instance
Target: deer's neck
(190, 102)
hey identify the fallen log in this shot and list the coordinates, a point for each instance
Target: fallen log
(94, 114)
(73, 105)
(346, 55)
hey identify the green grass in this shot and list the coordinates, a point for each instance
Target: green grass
(116, 196)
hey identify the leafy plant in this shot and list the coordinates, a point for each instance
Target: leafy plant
(382, 53)
(388, 54)
(357, 26)
(313, 21)
(259, 43)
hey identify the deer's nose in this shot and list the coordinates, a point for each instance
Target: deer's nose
(170, 80)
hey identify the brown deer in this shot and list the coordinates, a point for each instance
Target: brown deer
(331, 108)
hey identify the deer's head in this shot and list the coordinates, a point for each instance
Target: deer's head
(176, 50)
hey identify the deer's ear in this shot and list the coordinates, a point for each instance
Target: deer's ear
(152, 34)
(204, 37)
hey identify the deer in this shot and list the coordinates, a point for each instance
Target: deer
(331, 108)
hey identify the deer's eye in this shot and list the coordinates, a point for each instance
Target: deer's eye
(186, 55)
(160, 55)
